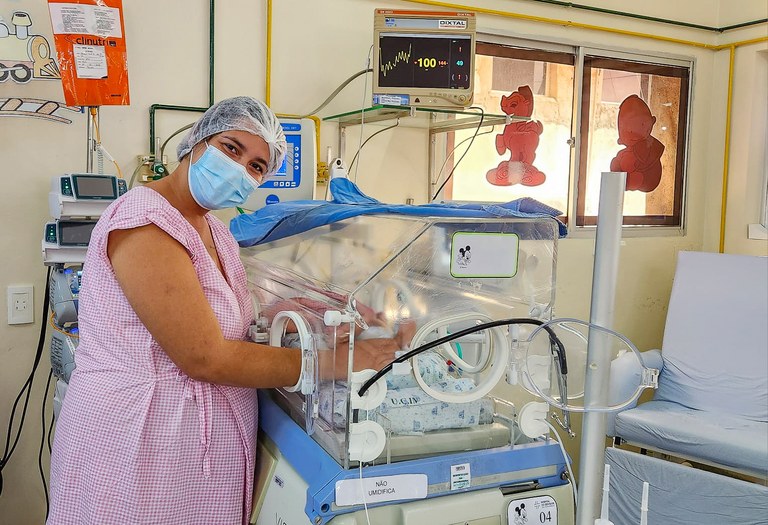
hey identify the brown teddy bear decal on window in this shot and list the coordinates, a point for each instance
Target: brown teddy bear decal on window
(641, 158)
(521, 140)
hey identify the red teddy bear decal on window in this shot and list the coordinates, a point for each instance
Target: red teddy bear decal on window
(641, 156)
(521, 140)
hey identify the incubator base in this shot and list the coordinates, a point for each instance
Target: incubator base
(297, 483)
(286, 492)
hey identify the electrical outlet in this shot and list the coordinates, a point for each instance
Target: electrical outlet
(21, 304)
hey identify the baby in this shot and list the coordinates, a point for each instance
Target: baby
(377, 337)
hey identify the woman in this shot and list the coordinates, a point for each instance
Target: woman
(159, 422)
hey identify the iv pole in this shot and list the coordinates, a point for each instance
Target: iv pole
(90, 136)
(604, 277)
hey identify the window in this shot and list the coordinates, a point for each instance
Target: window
(649, 143)
(540, 149)
(633, 117)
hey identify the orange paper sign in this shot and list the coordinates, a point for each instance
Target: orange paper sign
(90, 44)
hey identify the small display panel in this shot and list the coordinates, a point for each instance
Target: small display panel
(425, 61)
(289, 174)
(94, 187)
(75, 233)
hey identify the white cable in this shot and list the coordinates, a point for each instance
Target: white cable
(362, 485)
(103, 150)
(567, 461)
(336, 92)
(362, 114)
(499, 352)
(100, 161)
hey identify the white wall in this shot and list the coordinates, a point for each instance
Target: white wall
(747, 153)
(316, 45)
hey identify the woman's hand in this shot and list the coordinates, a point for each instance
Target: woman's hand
(372, 354)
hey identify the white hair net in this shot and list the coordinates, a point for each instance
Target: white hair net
(243, 114)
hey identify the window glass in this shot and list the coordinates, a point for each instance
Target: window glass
(633, 119)
(522, 159)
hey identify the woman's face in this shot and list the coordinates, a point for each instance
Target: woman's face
(247, 149)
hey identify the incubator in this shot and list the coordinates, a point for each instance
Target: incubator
(435, 436)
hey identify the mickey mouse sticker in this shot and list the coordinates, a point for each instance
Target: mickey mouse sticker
(464, 257)
(521, 515)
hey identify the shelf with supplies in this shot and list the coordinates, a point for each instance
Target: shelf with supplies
(436, 120)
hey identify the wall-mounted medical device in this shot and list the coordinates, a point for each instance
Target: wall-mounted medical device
(76, 201)
(64, 294)
(423, 58)
(66, 241)
(64, 291)
(296, 178)
(63, 348)
(83, 194)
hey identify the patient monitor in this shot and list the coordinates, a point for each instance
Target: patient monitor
(423, 58)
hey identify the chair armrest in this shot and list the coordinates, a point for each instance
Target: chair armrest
(653, 359)
(626, 375)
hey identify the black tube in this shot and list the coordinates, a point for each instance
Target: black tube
(42, 444)
(743, 24)
(556, 345)
(27, 388)
(650, 18)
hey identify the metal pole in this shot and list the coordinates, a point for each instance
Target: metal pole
(604, 277)
(89, 142)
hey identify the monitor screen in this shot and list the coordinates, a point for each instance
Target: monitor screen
(289, 173)
(434, 61)
(75, 233)
(423, 58)
(94, 187)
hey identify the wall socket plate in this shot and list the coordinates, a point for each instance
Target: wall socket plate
(21, 304)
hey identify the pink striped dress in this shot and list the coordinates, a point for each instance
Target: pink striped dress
(137, 440)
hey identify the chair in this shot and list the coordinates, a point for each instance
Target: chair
(711, 406)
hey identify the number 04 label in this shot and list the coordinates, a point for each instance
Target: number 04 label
(528, 511)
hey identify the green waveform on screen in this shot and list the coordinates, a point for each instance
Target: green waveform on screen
(401, 56)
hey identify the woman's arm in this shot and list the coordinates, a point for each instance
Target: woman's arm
(159, 281)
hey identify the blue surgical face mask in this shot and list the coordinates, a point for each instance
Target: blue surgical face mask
(217, 182)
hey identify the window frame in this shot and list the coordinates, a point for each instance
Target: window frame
(662, 226)
(633, 222)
